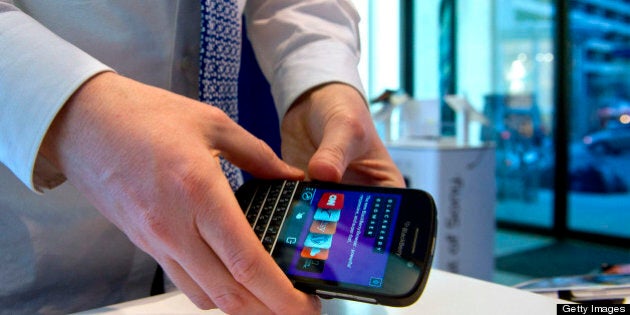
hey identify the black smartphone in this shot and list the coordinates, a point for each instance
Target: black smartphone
(362, 243)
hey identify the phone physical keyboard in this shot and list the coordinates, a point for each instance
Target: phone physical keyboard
(267, 208)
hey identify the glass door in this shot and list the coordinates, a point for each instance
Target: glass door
(505, 66)
(599, 148)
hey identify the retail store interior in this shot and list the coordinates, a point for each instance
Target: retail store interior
(545, 84)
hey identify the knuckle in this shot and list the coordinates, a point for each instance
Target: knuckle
(229, 301)
(148, 232)
(154, 224)
(154, 228)
(189, 183)
(261, 146)
(336, 152)
(244, 268)
(202, 302)
(217, 116)
(357, 127)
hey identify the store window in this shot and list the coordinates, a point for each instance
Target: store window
(600, 117)
(502, 60)
(521, 107)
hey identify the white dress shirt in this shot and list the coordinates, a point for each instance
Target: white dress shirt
(57, 253)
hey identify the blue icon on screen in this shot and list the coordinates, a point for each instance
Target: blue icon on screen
(327, 215)
(376, 282)
(323, 241)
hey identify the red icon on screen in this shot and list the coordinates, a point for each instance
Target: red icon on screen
(333, 201)
(314, 253)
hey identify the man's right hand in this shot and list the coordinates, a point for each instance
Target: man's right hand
(148, 159)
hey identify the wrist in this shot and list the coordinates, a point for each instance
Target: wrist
(70, 124)
(331, 92)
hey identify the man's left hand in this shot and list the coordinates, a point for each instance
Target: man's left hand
(329, 133)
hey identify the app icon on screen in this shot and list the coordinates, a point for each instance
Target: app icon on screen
(311, 265)
(376, 282)
(307, 195)
(314, 253)
(323, 241)
(332, 201)
(327, 215)
(323, 227)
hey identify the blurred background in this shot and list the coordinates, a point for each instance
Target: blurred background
(553, 79)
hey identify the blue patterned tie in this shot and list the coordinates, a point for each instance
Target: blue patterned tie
(219, 64)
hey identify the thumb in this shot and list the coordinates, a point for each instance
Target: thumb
(331, 159)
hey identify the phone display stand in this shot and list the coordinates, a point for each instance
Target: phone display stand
(461, 178)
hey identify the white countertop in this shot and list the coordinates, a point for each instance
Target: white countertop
(445, 293)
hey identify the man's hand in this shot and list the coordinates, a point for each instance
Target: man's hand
(329, 133)
(148, 160)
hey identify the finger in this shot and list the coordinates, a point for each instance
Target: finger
(241, 252)
(253, 155)
(221, 287)
(187, 285)
(190, 259)
(213, 281)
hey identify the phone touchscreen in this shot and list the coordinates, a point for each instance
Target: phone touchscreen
(338, 235)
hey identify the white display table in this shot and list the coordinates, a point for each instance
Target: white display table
(445, 294)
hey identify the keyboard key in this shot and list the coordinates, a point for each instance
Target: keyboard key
(268, 209)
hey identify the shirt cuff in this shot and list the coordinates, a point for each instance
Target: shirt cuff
(39, 72)
(300, 73)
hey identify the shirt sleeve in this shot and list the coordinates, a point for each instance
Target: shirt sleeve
(39, 71)
(301, 44)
